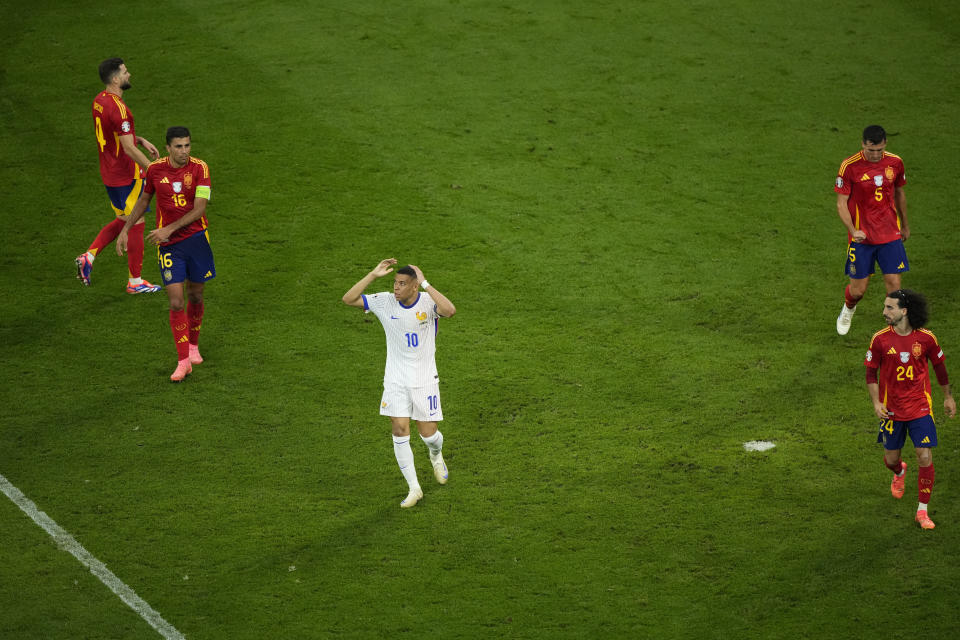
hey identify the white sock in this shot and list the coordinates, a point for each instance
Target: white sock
(434, 442)
(90, 256)
(401, 449)
(922, 507)
(134, 281)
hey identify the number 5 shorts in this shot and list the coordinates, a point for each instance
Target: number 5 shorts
(419, 403)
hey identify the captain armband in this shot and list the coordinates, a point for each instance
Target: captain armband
(203, 191)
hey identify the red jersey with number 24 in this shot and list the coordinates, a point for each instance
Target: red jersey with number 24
(903, 373)
(871, 186)
(112, 119)
(176, 190)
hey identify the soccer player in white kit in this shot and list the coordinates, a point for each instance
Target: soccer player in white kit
(411, 386)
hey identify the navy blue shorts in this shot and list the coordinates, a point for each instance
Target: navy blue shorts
(891, 257)
(123, 198)
(190, 259)
(893, 433)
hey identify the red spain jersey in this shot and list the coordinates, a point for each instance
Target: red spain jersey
(176, 191)
(903, 373)
(112, 119)
(870, 186)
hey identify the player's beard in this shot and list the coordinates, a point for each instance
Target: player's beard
(125, 86)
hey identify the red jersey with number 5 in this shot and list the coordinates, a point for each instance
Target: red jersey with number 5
(176, 190)
(903, 374)
(112, 119)
(871, 186)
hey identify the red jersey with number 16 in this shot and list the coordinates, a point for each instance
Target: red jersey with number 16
(903, 374)
(871, 186)
(112, 119)
(176, 190)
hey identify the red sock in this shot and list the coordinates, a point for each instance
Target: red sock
(195, 314)
(135, 250)
(849, 299)
(179, 325)
(896, 467)
(107, 235)
(925, 483)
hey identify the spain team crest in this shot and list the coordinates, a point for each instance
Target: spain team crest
(917, 349)
(890, 174)
(187, 180)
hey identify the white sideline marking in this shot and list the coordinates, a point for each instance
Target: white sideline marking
(66, 542)
(758, 445)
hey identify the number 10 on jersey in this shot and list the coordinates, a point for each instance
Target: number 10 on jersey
(412, 339)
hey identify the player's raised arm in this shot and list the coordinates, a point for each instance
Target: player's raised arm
(354, 297)
(444, 307)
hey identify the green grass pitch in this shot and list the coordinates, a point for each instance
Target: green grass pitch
(630, 204)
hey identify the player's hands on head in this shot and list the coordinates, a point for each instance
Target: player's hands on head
(419, 273)
(385, 267)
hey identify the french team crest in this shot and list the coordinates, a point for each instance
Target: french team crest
(421, 315)
(890, 174)
(917, 350)
(904, 357)
(878, 180)
(177, 187)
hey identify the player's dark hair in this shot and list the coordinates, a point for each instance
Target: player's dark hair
(915, 304)
(407, 271)
(874, 134)
(109, 68)
(177, 132)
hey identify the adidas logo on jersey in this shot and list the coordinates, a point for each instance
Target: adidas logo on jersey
(865, 178)
(164, 181)
(892, 352)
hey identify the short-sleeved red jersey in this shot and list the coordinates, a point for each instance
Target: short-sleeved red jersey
(903, 374)
(871, 186)
(176, 190)
(112, 119)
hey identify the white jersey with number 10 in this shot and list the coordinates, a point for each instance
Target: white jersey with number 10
(411, 338)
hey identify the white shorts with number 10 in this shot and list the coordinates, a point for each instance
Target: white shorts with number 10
(419, 403)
